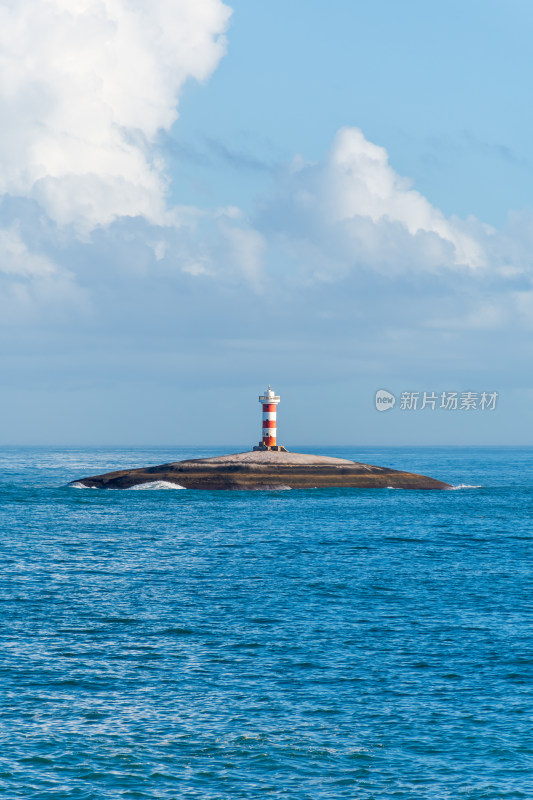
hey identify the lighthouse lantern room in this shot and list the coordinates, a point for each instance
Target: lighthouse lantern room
(269, 401)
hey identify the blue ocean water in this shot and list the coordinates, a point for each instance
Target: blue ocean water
(299, 644)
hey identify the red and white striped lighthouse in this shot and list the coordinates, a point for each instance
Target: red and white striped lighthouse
(269, 401)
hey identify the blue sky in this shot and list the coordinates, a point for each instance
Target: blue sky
(199, 198)
(442, 86)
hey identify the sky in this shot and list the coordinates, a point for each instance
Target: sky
(199, 198)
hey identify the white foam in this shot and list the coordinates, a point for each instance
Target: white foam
(157, 485)
(464, 486)
(272, 487)
(79, 485)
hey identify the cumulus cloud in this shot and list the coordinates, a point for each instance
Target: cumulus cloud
(359, 182)
(384, 255)
(353, 208)
(85, 86)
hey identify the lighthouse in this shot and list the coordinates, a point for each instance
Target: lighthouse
(269, 401)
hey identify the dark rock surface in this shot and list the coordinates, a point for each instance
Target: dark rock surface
(265, 470)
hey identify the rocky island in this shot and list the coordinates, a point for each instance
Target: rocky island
(268, 466)
(265, 469)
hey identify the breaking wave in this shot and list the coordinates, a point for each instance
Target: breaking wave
(272, 487)
(157, 485)
(464, 486)
(78, 485)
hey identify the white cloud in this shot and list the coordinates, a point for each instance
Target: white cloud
(359, 182)
(85, 85)
(16, 260)
(359, 210)
(34, 288)
(244, 250)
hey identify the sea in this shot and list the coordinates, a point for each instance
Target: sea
(164, 643)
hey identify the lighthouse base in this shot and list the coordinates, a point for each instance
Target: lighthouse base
(277, 447)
